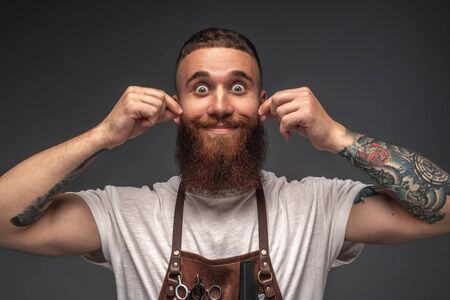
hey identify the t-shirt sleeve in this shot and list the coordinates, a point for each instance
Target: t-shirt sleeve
(100, 203)
(339, 196)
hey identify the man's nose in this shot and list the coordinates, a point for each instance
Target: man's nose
(220, 105)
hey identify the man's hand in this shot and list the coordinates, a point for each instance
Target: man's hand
(138, 109)
(299, 110)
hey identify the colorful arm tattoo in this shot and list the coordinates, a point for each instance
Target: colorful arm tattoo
(36, 208)
(418, 184)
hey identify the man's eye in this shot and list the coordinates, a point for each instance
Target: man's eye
(238, 88)
(201, 89)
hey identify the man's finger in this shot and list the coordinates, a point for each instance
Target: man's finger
(287, 108)
(148, 91)
(301, 130)
(285, 133)
(173, 105)
(290, 121)
(264, 109)
(167, 116)
(282, 98)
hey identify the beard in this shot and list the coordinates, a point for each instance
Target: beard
(221, 165)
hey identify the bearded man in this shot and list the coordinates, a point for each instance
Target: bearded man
(224, 219)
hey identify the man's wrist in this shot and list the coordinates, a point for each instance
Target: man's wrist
(340, 138)
(98, 137)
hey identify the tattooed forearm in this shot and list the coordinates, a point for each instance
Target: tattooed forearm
(418, 184)
(36, 208)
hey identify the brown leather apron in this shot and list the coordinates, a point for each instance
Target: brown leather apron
(224, 272)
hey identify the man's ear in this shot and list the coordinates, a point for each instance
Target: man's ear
(177, 120)
(262, 96)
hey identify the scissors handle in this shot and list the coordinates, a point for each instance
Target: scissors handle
(183, 287)
(214, 292)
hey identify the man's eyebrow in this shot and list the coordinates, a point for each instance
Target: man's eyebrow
(197, 75)
(237, 73)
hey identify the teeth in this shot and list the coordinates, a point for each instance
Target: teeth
(221, 126)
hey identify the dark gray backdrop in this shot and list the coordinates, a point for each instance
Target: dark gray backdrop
(380, 68)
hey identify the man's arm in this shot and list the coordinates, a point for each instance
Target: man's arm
(412, 191)
(416, 185)
(34, 218)
(28, 190)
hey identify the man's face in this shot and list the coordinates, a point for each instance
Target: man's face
(221, 141)
(219, 82)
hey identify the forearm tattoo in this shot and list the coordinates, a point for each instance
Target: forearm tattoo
(418, 184)
(36, 208)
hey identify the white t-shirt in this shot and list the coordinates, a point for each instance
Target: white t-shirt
(306, 226)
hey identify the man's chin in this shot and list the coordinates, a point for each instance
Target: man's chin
(221, 145)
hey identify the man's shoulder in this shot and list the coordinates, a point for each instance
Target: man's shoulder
(272, 177)
(170, 185)
(310, 185)
(273, 180)
(124, 192)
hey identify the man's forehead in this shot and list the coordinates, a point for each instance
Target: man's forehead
(217, 61)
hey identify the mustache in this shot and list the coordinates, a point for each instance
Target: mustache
(229, 121)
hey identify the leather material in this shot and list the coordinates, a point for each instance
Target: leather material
(225, 271)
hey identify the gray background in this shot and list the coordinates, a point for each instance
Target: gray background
(380, 68)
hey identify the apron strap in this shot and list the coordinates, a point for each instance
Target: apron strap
(262, 219)
(265, 276)
(178, 219)
(175, 256)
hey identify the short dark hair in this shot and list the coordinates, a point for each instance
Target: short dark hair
(218, 37)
